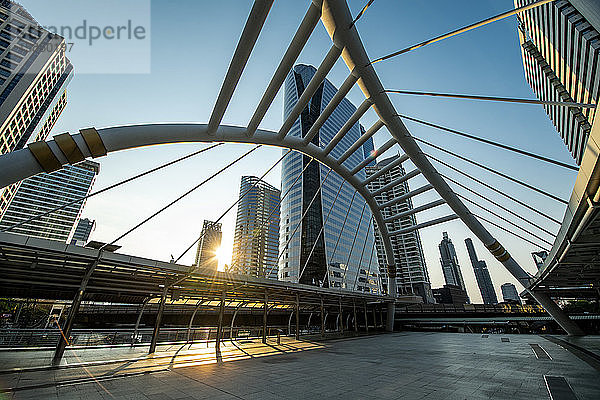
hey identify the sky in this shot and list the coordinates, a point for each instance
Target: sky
(174, 75)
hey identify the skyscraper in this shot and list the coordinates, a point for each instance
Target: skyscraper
(510, 294)
(313, 257)
(44, 192)
(450, 266)
(210, 241)
(412, 276)
(34, 73)
(256, 240)
(561, 58)
(484, 281)
(82, 233)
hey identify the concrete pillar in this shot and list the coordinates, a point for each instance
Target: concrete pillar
(156, 331)
(391, 316)
(341, 317)
(297, 316)
(220, 322)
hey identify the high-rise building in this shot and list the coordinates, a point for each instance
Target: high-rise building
(34, 73)
(450, 294)
(561, 58)
(82, 233)
(510, 294)
(256, 239)
(314, 256)
(210, 241)
(412, 276)
(449, 261)
(484, 280)
(44, 192)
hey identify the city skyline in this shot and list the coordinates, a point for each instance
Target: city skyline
(504, 62)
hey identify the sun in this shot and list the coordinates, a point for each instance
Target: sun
(222, 257)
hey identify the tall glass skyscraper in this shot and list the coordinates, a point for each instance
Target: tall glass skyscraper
(256, 240)
(327, 259)
(44, 192)
(450, 266)
(209, 243)
(484, 281)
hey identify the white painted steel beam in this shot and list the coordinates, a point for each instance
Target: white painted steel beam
(252, 29)
(415, 210)
(433, 222)
(361, 140)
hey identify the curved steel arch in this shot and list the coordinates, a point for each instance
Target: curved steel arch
(22, 164)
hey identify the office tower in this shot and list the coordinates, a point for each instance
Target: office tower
(82, 233)
(34, 73)
(210, 241)
(313, 257)
(561, 58)
(42, 193)
(412, 276)
(510, 294)
(484, 281)
(450, 266)
(256, 240)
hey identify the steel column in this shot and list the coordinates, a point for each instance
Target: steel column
(322, 318)
(233, 320)
(220, 322)
(354, 311)
(341, 317)
(297, 316)
(139, 319)
(66, 331)
(189, 329)
(161, 309)
(265, 311)
(366, 319)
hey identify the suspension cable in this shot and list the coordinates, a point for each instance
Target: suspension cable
(353, 243)
(300, 222)
(493, 98)
(260, 228)
(465, 29)
(487, 141)
(503, 219)
(510, 178)
(182, 196)
(322, 229)
(234, 203)
(360, 14)
(498, 205)
(494, 189)
(511, 232)
(78, 199)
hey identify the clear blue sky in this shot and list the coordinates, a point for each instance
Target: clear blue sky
(191, 46)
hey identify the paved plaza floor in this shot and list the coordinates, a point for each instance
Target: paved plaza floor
(404, 365)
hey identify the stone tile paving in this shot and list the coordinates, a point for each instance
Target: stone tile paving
(406, 365)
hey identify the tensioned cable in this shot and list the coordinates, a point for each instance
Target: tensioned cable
(260, 228)
(498, 205)
(511, 232)
(322, 229)
(300, 223)
(182, 196)
(494, 189)
(360, 14)
(110, 187)
(237, 201)
(465, 29)
(487, 141)
(353, 243)
(493, 98)
(493, 171)
(503, 219)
